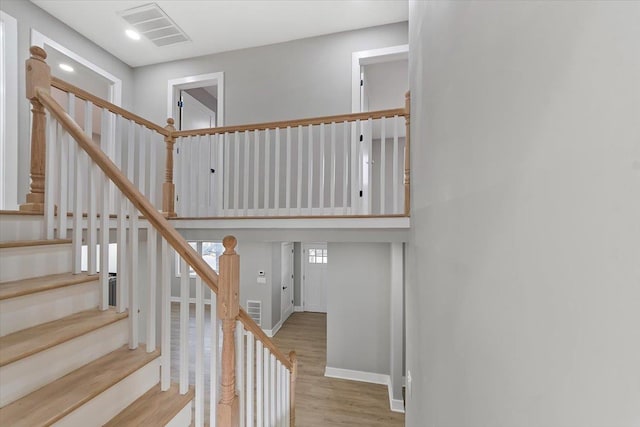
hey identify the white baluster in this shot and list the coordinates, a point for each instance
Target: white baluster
(249, 402)
(193, 190)
(272, 390)
(266, 383)
(142, 148)
(153, 161)
(227, 176)
(383, 166)
(287, 398)
(92, 235)
(121, 227)
(321, 166)
(220, 172)
(245, 173)
(63, 155)
(199, 422)
(167, 257)
(310, 173)
(267, 176)
(132, 262)
(256, 170)
(184, 326)
(71, 159)
(259, 386)
(152, 274)
(50, 173)
(240, 365)
(396, 175)
(236, 172)
(76, 232)
(288, 177)
(299, 176)
(203, 177)
(104, 216)
(369, 167)
(186, 192)
(345, 166)
(332, 193)
(355, 167)
(276, 175)
(278, 394)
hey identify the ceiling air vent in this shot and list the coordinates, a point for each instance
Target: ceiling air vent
(151, 21)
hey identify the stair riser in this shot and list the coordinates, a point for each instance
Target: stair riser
(31, 310)
(109, 403)
(21, 227)
(34, 261)
(26, 375)
(182, 418)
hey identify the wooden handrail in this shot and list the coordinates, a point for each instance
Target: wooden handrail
(156, 219)
(83, 94)
(294, 123)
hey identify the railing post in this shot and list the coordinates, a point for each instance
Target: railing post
(407, 156)
(228, 308)
(38, 74)
(168, 187)
(292, 387)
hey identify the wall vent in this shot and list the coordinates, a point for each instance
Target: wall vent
(151, 21)
(254, 310)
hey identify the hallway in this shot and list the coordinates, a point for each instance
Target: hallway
(322, 401)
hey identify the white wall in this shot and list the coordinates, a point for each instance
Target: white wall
(358, 308)
(523, 302)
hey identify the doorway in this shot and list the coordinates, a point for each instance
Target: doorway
(286, 301)
(314, 277)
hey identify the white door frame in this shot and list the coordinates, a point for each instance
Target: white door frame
(115, 88)
(303, 261)
(8, 112)
(358, 59)
(191, 82)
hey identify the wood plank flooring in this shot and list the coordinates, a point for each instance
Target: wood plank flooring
(320, 401)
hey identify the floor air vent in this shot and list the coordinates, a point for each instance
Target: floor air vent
(151, 21)
(254, 310)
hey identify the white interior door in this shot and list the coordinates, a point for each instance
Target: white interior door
(286, 303)
(314, 277)
(194, 114)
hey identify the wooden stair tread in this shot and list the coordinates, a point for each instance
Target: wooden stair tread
(154, 408)
(29, 341)
(18, 288)
(55, 400)
(27, 243)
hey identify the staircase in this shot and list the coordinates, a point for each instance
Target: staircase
(63, 361)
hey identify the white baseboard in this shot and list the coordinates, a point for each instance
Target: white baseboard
(271, 332)
(395, 405)
(191, 300)
(362, 376)
(298, 309)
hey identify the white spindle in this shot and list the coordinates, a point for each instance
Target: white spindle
(396, 206)
(345, 166)
(278, 393)
(332, 194)
(299, 176)
(185, 194)
(266, 383)
(355, 169)
(219, 150)
(310, 172)
(249, 402)
(267, 163)
(383, 166)
(152, 274)
(288, 167)
(71, 160)
(240, 365)
(256, 170)
(50, 173)
(272, 390)
(236, 172)
(193, 192)
(203, 177)
(227, 148)
(369, 167)
(104, 216)
(166, 255)
(153, 160)
(287, 398)
(259, 386)
(213, 359)
(321, 166)
(276, 175)
(132, 262)
(63, 155)
(199, 352)
(184, 326)
(121, 229)
(92, 235)
(245, 173)
(142, 148)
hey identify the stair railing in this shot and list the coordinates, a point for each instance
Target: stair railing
(235, 399)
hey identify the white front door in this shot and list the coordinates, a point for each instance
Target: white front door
(314, 277)
(286, 303)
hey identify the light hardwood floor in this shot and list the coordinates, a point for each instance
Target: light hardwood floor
(320, 401)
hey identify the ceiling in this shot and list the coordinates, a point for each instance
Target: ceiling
(221, 25)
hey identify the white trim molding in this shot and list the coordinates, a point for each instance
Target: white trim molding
(8, 112)
(366, 377)
(298, 309)
(190, 82)
(272, 332)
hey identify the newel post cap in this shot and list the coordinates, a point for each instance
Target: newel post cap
(229, 243)
(38, 53)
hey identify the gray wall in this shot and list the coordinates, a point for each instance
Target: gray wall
(276, 281)
(523, 300)
(30, 16)
(358, 291)
(297, 79)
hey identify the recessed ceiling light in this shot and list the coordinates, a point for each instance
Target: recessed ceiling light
(132, 35)
(66, 67)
